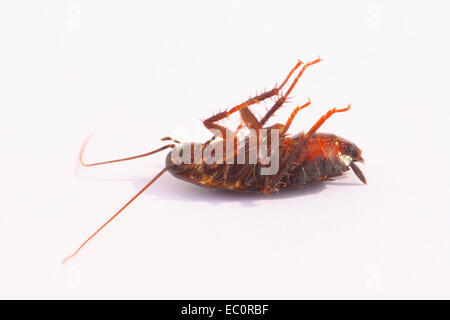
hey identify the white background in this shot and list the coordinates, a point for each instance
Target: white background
(132, 72)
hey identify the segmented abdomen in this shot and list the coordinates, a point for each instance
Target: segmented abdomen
(318, 161)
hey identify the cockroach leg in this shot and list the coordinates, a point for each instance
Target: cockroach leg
(216, 128)
(282, 99)
(118, 160)
(207, 143)
(117, 213)
(322, 120)
(293, 114)
(249, 119)
(211, 124)
(299, 63)
(247, 116)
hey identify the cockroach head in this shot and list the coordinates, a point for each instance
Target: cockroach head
(350, 150)
(349, 153)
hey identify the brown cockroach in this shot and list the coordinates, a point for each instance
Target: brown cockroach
(304, 158)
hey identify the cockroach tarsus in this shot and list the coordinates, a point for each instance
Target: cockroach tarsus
(304, 158)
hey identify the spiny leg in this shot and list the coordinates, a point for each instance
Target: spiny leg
(272, 182)
(249, 119)
(282, 100)
(247, 116)
(292, 116)
(299, 63)
(322, 120)
(215, 128)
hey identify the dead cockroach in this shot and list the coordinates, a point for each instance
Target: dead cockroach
(302, 159)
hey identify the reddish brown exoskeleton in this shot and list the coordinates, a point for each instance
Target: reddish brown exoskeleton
(302, 159)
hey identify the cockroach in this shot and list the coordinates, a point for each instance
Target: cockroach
(303, 158)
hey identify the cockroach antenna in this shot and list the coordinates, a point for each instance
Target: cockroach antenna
(131, 200)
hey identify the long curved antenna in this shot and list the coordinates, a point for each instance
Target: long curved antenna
(118, 160)
(116, 214)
